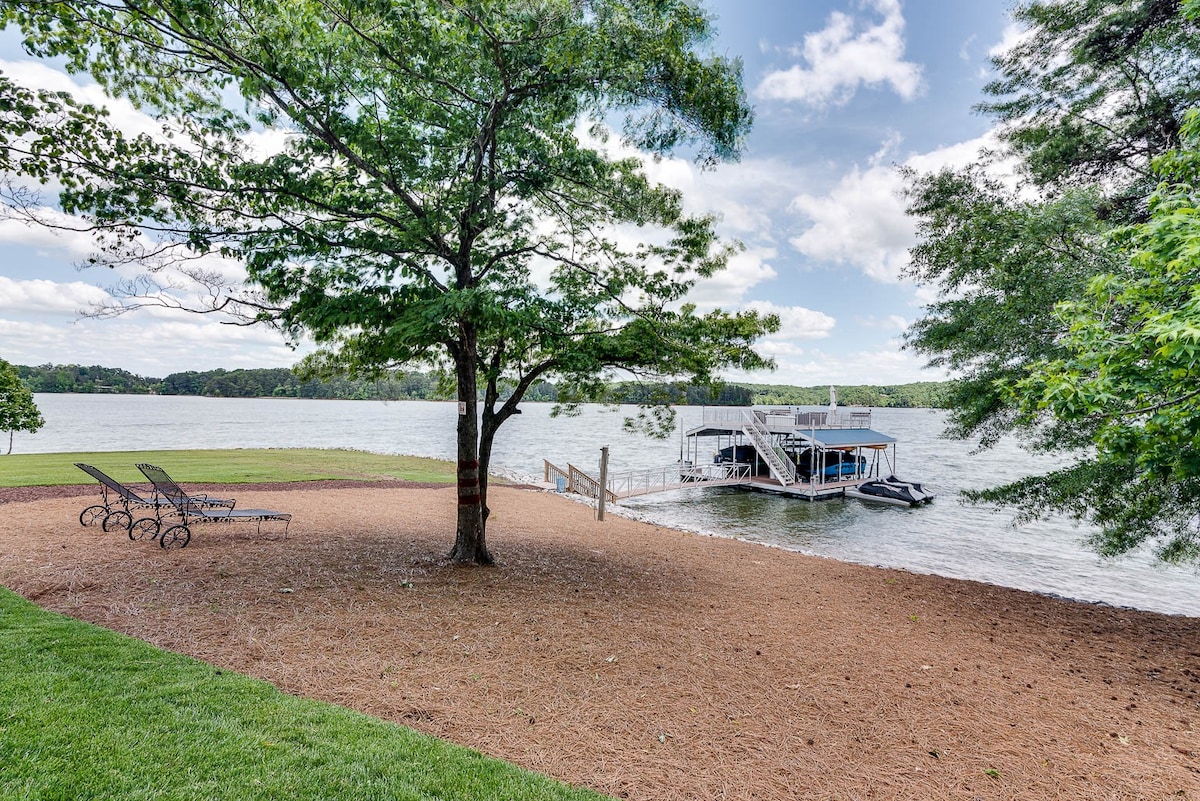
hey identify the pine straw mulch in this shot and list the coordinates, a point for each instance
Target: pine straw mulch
(649, 663)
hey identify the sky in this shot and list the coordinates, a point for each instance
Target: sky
(845, 93)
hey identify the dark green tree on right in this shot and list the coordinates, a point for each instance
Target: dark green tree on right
(1068, 307)
(18, 412)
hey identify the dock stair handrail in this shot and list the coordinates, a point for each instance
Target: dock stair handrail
(582, 483)
(553, 472)
(781, 466)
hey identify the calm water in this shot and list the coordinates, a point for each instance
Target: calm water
(945, 538)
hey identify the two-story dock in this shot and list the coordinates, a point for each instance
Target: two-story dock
(805, 454)
(810, 455)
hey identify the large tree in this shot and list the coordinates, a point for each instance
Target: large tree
(1130, 368)
(441, 198)
(1086, 101)
(18, 412)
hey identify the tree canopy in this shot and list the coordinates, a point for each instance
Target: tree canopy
(1063, 301)
(445, 194)
(18, 412)
(1131, 369)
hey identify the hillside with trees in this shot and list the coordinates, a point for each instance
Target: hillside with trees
(281, 382)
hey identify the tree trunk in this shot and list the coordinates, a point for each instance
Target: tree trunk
(470, 544)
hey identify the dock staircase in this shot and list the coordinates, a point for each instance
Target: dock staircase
(782, 468)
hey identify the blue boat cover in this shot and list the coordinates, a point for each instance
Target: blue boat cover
(845, 437)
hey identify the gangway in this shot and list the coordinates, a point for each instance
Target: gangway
(632, 483)
(663, 479)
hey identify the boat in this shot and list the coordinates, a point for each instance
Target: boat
(891, 490)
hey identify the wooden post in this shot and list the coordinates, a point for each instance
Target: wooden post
(602, 495)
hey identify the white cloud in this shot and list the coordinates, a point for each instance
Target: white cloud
(1014, 34)
(727, 288)
(41, 296)
(890, 322)
(964, 51)
(795, 322)
(66, 236)
(146, 347)
(122, 114)
(740, 194)
(847, 54)
(862, 221)
(809, 368)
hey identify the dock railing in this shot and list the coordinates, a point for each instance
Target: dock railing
(787, 419)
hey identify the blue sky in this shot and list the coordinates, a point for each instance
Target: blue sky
(845, 91)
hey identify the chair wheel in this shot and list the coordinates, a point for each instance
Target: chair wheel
(146, 526)
(118, 520)
(175, 537)
(90, 515)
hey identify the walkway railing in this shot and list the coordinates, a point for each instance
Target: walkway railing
(643, 482)
(677, 476)
(779, 462)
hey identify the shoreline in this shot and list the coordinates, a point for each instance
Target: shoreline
(646, 662)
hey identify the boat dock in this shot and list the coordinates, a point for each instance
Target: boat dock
(783, 450)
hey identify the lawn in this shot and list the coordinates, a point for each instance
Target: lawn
(86, 713)
(240, 466)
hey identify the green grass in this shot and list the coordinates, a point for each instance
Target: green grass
(88, 714)
(239, 466)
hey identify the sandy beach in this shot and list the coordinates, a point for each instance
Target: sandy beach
(644, 662)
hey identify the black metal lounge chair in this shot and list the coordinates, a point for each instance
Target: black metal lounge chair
(179, 534)
(119, 502)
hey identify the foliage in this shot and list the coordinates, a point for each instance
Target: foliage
(1095, 91)
(236, 466)
(18, 412)
(435, 204)
(417, 385)
(93, 714)
(1131, 369)
(922, 394)
(77, 378)
(1001, 264)
(1088, 99)
(284, 383)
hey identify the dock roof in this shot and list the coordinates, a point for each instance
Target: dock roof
(845, 437)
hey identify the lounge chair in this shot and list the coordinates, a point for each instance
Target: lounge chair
(179, 535)
(119, 502)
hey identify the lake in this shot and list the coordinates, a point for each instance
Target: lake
(945, 538)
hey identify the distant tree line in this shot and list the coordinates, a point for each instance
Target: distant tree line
(923, 394)
(77, 378)
(284, 383)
